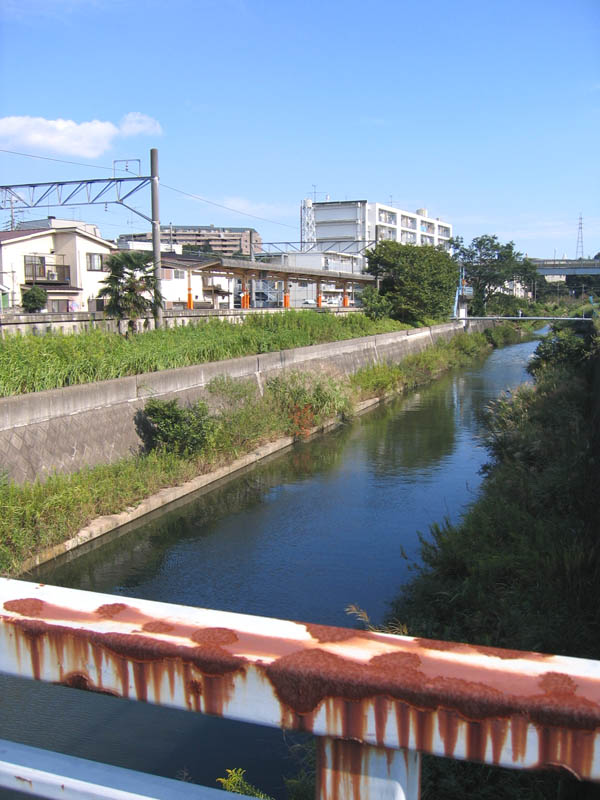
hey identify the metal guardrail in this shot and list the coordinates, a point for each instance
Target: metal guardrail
(376, 701)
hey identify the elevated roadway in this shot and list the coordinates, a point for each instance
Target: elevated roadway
(566, 266)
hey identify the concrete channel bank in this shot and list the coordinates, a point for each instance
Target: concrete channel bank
(64, 430)
(72, 410)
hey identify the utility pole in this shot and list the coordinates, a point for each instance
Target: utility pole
(156, 230)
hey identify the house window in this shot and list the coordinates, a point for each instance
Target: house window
(58, 306)
(35, 267)
(94, 262)
(179, 274)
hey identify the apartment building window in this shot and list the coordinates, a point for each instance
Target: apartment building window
(443, 231)
(385, 234)
(427, 227)
(35, 267)
(94, 262)
(408, 222)
(408, 238)
(427, 239)
(388, 217)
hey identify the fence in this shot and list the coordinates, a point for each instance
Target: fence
(375, 701)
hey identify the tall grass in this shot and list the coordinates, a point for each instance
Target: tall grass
(34, 363)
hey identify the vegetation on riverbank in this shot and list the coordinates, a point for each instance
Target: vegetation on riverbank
(181, 443)
(34, 363)
(522, 569)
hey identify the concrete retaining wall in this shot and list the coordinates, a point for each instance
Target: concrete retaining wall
(64, 430)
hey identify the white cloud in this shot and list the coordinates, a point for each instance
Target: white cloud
(136, 123)
(64, 136)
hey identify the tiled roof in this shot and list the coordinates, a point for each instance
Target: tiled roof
(5, 235)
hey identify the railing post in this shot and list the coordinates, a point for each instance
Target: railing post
(355, 771)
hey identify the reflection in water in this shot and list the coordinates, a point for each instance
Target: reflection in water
(299, 537)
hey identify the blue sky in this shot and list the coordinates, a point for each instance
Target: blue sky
(485, 112)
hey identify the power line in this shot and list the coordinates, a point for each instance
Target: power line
(227, 208)
(59, 160)
(166, 186)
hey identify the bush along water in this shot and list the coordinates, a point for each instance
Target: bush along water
(522, 569)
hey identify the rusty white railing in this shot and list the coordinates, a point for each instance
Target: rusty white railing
(375, 701)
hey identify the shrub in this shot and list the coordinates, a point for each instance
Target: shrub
(179, 429)
(308, 399)
(34, 299)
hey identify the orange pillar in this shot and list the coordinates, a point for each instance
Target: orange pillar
(286, 294)
(319, 295)
(190, 299)
(345, 300)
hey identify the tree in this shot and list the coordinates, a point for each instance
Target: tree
(419, 283)
(34, 299)
(131, 288)
(489, 265)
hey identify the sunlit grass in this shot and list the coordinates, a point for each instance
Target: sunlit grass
(34, 363)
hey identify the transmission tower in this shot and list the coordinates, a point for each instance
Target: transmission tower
(579, 248)
(308, 231)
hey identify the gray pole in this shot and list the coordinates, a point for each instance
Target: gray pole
(155, 228)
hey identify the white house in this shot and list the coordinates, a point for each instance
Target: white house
(62, 256)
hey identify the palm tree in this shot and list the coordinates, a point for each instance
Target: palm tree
(131, 288)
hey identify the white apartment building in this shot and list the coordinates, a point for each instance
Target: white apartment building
(64, 257)
(337, 224)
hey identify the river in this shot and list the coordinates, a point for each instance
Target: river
(330, 522)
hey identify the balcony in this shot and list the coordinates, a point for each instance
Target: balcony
(47, 269)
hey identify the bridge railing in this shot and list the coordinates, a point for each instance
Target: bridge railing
(375, 701)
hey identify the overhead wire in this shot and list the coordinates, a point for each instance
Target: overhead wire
(166, 186)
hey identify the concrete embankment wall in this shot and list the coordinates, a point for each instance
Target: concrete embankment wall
(64, 430)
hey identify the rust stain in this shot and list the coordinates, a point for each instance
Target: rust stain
(424, 728)
(24, 780)
(448, 722)
(518, 733)
(476, 741)
(217, 691)
(382, 707)
(403, 724)
(111, 610)
(157, 626)
(78, 680)
(325, 633)
(214, 636)
(27, 607)
(498, 734)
